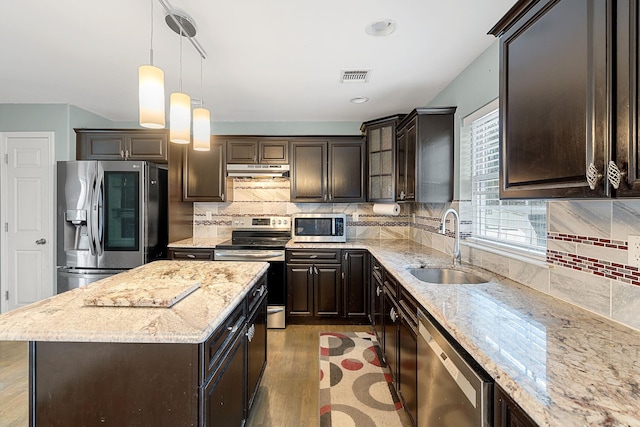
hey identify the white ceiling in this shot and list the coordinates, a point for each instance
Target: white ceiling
(268, 60)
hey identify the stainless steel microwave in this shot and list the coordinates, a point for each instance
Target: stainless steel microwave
(319, 227)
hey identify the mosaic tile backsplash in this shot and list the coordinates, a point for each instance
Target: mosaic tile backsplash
(587, 247)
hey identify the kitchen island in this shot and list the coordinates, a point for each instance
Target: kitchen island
(182, 363)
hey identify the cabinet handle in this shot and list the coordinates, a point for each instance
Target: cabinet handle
(375, 267)
(315, 269)
(233, 328)
(122, 154)
(593, 176)
(126, 154)
(393, 315)
(313, 256)
(325, 197)
(402, 195)
(310, 271)
(614, 174)
(330, 197)
(378, 290)
(191, 256)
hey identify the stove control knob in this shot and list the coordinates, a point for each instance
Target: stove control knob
(279, 221)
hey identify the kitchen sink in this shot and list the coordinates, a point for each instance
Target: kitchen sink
(446, 276)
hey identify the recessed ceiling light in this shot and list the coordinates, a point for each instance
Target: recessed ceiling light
(359, 100)
(382, 27)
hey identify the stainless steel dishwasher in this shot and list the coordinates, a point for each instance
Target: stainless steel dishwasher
(450, 392)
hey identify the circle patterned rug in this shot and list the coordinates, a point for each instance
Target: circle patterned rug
(356, 388)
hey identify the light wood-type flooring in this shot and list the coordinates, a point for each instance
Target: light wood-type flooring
(287, 395)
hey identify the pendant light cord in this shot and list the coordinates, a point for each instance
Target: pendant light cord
(180, 82)
(201, 90)
(151, 44)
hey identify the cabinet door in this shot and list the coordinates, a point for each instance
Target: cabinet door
(381, 151)
(346, 172)
(225, 393)
(507, 413)
(242, 152)
(299, 290)
(327, 281)
(273, 152)
(100, 146)
(355, 284)
(410, 160)
(152, 148)
(377, 298)
(256, 350)
(309, 172)
(408, 365)
(554, 100)
(401, 164)
(390, 339)
(627, 104)
(204, 174)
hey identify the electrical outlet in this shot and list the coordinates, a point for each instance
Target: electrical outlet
(208, 215)
(356, 216)
(634, 251)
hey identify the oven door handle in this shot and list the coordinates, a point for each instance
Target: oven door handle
(250, 254)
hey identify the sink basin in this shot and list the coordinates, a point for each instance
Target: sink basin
(446, 276)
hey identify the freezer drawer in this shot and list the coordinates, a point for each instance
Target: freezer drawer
(71, 278)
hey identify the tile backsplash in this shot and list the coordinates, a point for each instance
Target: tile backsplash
(587, 241)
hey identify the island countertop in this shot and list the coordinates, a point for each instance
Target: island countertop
(65, 317)
(563, 365)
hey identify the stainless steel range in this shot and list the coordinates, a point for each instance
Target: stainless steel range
(262, 239)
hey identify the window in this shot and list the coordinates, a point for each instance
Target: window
(517, 223)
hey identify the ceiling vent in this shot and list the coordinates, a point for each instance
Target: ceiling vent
(355, 76)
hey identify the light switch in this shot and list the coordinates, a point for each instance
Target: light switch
(208, 215)
(634, 251)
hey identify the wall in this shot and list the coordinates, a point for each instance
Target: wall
(587, 241)
(253, 197)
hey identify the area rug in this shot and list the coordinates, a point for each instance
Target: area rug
(355, 388)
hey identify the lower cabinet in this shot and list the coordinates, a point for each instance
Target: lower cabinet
(256, 349)
(507, 413)
(355, 283)
(224, 395)
(314, 284)
(408, 354)
(377, 300)
(391, 326)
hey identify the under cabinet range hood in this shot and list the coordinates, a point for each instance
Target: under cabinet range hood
(257, 170)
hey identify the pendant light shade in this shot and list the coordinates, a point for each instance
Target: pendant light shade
(201, 129)
(180, 118)
(151, 96)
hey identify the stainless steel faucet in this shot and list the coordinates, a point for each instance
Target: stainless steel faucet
(443, 230)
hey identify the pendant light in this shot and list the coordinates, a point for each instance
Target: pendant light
(180, 112)
(201, 123)
(151, 91)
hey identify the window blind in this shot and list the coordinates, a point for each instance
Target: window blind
(519, 223)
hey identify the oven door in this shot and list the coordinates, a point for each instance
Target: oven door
(276, 284)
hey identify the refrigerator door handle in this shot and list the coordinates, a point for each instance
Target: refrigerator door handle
(100, 211)
(95, 217)
(91, 217)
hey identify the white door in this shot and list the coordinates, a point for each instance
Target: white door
(27, 203)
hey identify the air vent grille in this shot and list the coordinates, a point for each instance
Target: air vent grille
(355, 76)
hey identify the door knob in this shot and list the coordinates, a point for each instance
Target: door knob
(41, 241)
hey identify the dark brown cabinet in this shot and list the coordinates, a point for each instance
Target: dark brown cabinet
(191, 254)
(314, 284)
(249, 151)
(391, 326)
(204, 177)
(424, 160)
(507, 413)
(408, 354)
(377, 300)
(355, 283)
(256, 344)
(327, 170)
(381, 155)
(555, 98)
(122, 144)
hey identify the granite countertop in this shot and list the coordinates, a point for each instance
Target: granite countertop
(65, 317)
(197, 242)
(563, 365)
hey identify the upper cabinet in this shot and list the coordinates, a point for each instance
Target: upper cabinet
(557, 116)
(424, 156)
(381, 155)
(327, 170)
(411, 156)
(251, 150)
(122, 144)
(204, 173)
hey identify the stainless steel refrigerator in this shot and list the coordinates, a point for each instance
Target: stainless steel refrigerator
(112, 216)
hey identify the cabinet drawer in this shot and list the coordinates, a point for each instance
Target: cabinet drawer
(220, 339)
(377, 269)
(259, 289)
(409, 306)
(391, 284)
(191, 254)
(314, 256)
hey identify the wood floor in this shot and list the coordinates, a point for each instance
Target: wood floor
(287, 395)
